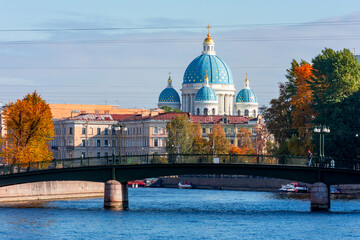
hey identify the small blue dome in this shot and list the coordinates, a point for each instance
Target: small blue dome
(206, 93)
(211, 65)
(169, 94)
(246, 96)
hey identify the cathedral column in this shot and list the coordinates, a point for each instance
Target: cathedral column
(188, 103)
(184, 103)
(191, 103)
(226, 103)
(221, 104)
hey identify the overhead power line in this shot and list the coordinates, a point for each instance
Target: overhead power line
(306, 24)
(176, 40)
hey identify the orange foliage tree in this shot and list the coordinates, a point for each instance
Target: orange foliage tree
(303, 112)
(218, 140)
(245, 141)
(28, 130)
(200, 145)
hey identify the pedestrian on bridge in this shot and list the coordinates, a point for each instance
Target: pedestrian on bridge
(309, 158)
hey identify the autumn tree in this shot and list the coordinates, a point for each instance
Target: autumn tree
(29, 129)
(181, 135)
(218, 141)
(277, 116)
(200, 144)
(245, 141)
(303, 112)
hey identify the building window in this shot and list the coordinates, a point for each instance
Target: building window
(204, 130)
(254, 113)
(106, 131)
(206, 111)
(98, 131)
(83, 142)
(98, 155)
(113, 132)
(91, 131)
(70, 130)
(71, 142)
(106, 143)
(98, 143)
(156, 130)
(113, 143)
(83, 130)
(225, 130)
(246, 113)
(239, 113)
(198, 111)
(106, 155)
(213, 111)
(210, 130)
(83, 155)
(232, 141)
(156, 142)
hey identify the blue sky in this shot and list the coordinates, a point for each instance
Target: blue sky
(129, 67)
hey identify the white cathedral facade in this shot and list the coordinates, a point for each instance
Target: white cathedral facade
(208, 88)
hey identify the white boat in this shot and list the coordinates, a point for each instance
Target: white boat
(184, 185)
(294, 187)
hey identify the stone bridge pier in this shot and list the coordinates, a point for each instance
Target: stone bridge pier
(116, 195)
(320, 197)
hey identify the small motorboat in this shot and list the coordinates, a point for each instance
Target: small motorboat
(184, 185)
(294, 187)
(334, 190)
(136, 183)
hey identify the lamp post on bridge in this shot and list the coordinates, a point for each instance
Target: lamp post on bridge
(321, 130)
(116, 127)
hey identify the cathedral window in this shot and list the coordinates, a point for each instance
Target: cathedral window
(198, 111)
(205, 111)
(254, 113)
(246, 113)
(213, 111)
(239, 113)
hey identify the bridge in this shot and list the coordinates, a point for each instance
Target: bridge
(117, 171)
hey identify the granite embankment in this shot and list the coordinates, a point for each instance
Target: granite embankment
(53, 190)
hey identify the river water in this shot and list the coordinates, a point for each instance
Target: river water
(159, 213)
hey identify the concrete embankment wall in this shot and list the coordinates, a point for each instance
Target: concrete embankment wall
(244, 183)
(227, 182)
(51, 191)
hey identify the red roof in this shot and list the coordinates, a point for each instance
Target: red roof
(218, 119)
(161, 116)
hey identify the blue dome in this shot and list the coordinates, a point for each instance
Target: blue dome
(246, 96)
(206, 93)
(211, 65)
(169, 94)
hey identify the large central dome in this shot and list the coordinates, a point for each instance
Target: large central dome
(211, 65)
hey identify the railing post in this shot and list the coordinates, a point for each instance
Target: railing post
(18, 168)
(29, 166)
(63, 163)
(230, 158)
(55, 163)
(88, 161)
(257, 159)
(147, 158)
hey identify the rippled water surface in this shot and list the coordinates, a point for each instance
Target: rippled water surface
(183, 214)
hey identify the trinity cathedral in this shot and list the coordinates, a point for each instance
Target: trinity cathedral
(208, 88)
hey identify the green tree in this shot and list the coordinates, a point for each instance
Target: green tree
(335, 87)
(180, 135)
(29, 129)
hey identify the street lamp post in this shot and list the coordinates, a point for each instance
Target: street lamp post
(322, 130)
(116, 127)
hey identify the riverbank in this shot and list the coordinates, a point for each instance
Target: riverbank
(54, 190)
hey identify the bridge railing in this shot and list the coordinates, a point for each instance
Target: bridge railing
(180, 159)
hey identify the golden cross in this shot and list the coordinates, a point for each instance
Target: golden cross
(169, 74)
(208, 27)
